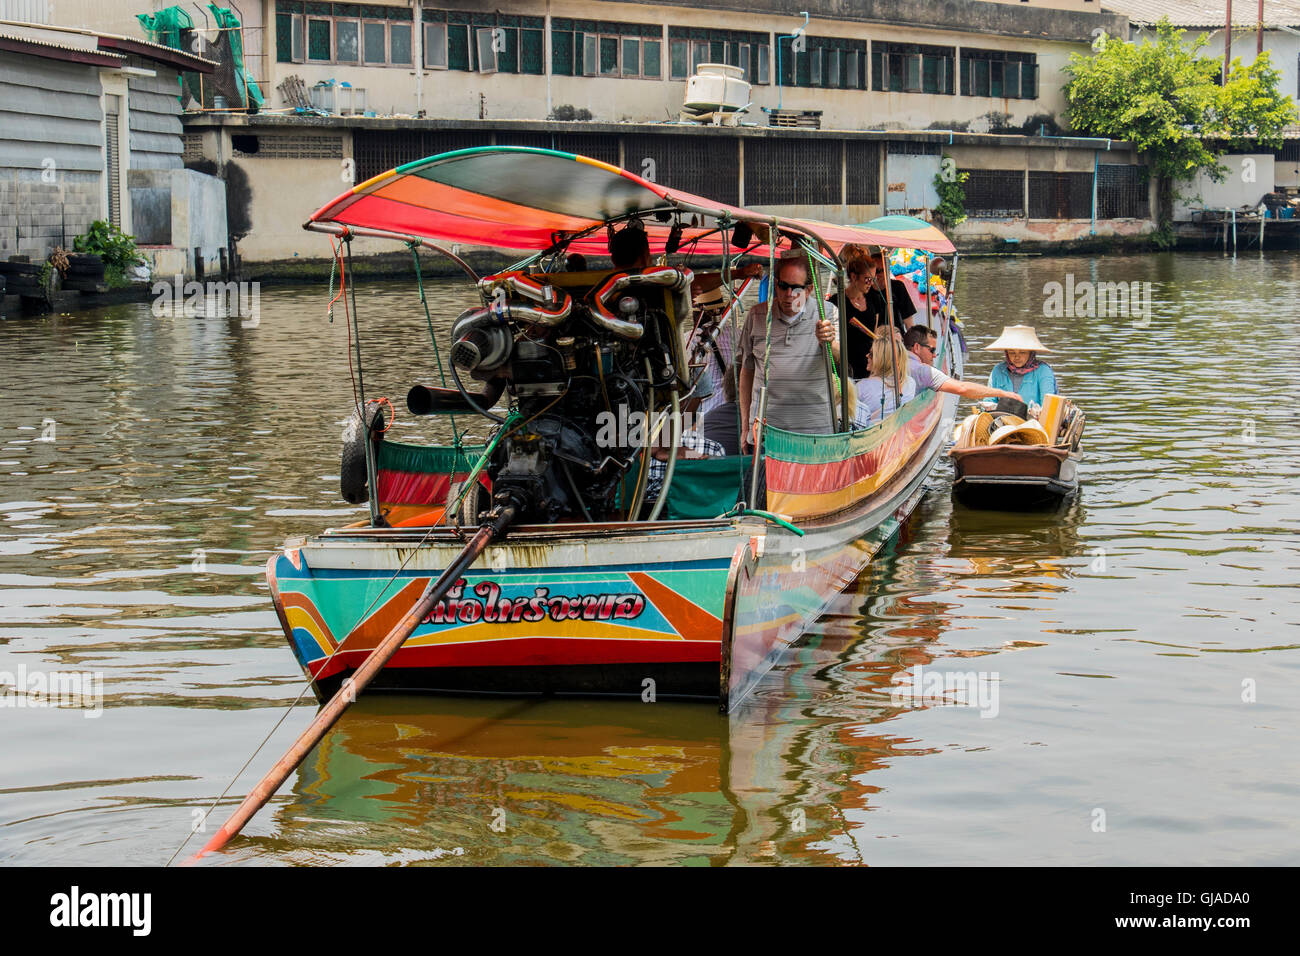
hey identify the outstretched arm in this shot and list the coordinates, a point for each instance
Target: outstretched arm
(956, 386)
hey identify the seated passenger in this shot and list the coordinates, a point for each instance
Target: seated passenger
(879, 395)
(722, 422)
(576, 262)
(1021, 372)
(692, 445)
(923, 345)
(630, 249)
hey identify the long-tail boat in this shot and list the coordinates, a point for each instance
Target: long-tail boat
(581, 585)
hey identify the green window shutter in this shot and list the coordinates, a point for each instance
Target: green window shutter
(508, 59)
(457, 47)
(283, 38)
(650, 54)
(562, 53)
(531, 47)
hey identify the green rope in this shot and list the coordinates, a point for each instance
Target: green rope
(329, 309)
(739, 512)
(821, 311)
(512, 418)
(456, 435)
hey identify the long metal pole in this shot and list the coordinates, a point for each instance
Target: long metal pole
(772, 239)
(1227, 43)
(347, 693)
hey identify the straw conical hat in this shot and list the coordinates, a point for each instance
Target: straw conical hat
(1017, 337)
(974, 431)
(1026, 433)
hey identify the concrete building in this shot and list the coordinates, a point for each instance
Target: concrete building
(90, 129)
(906, 64)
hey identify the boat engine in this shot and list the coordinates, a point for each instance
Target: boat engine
(587, 376)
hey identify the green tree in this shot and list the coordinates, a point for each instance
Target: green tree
(1168, 101)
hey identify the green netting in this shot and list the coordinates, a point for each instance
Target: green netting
(427, 459)
(248, 88)
(165, 27)
(705, 487)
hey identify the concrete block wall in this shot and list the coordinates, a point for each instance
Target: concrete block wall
(36, 216)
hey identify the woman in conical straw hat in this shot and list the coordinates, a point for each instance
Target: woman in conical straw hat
(1021, 371)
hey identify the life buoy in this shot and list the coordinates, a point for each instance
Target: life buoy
(352, 467)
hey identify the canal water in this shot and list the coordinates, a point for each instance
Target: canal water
(1112, 684)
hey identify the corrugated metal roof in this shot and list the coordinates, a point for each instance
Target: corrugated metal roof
(92, 40)
(37, 45)
(1206, 13)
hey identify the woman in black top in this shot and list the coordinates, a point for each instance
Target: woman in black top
(862, 310)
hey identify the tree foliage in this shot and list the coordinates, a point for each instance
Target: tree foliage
(1167, 101)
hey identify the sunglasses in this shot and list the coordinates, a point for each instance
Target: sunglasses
(788, 286)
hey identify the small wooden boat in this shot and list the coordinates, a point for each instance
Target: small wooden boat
(590, 590)
(1003, 462)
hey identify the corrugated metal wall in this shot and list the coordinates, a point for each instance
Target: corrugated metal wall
(25, 11)
(51, 153)
(155, 118)
(50, 110)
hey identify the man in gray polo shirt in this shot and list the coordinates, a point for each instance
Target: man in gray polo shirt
(922, 346)
(796, 377)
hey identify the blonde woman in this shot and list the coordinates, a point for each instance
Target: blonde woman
(879, 395)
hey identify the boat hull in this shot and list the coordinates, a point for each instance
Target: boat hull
(781, 581)
(550, 610)
(1014, 477)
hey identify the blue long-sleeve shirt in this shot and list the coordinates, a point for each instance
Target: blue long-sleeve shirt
(1033, 387)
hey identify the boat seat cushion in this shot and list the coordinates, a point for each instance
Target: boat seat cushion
(705, 487)
(411, 475)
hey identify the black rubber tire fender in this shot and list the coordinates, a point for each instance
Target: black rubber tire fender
(85, 264)
(352, 467)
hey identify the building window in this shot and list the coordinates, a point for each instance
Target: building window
(399, 44)
(345, 41)
(374, 42)
(912, 68)
(650, 59)
(601, 48)
(344, 33)
(995, 194)
(826, 62)
(480, 42)
(435, 45)
(997, 73)
(691, 46)
(318, 40)
(487, 54)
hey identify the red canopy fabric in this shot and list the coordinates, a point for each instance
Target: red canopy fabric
(516, 197)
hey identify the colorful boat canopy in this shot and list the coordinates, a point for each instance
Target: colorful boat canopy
(517, 197)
